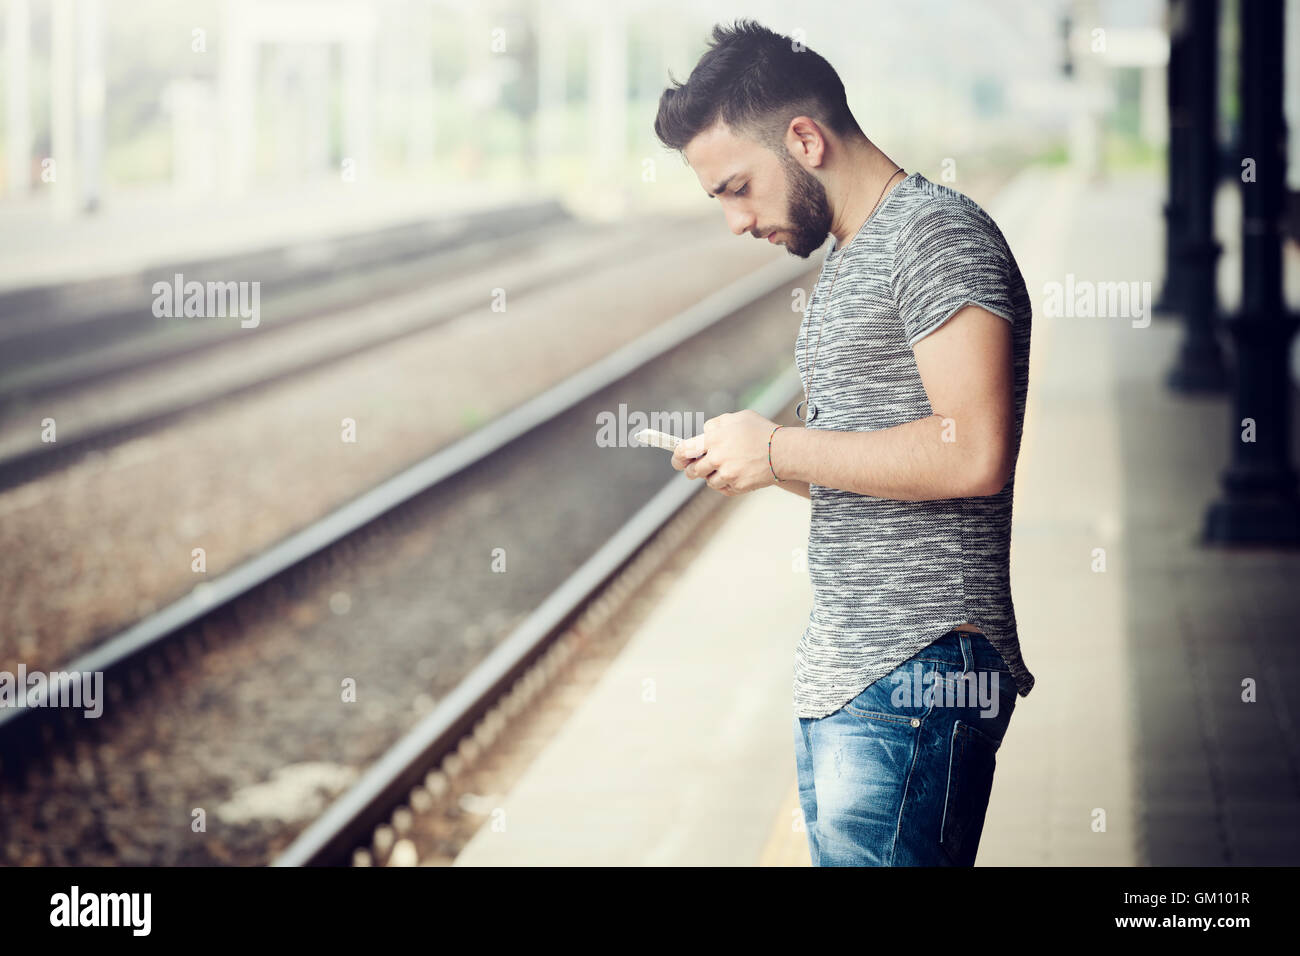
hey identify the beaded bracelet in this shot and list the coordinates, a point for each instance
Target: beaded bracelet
(769, 451)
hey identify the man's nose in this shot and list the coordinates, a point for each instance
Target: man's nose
(740, 222)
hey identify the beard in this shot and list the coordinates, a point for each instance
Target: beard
(808, 210)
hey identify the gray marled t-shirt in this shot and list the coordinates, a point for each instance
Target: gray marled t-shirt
(890, 577)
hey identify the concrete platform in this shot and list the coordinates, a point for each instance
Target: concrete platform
(682, 753)
(1134, 748)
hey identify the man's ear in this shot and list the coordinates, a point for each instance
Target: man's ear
(807, 140)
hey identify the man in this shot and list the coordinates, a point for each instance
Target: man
(914, 356)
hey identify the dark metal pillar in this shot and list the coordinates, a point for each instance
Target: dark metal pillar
(1199, 366)
(1259, 504)
(1175, 208)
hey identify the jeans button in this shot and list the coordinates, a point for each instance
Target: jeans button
(915, 722)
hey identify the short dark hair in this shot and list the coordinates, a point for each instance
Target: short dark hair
(755, 81)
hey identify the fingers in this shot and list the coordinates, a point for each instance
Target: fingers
(680, 457)
(700, 467)
(721, 485)
(690, 449)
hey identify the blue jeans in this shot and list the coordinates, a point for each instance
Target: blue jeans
(901, 774)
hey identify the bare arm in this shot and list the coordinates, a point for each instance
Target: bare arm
(963, 449)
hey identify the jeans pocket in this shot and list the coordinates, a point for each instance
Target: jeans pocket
(971, 760)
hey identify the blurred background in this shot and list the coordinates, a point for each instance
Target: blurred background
(310, 311)
(197, 105)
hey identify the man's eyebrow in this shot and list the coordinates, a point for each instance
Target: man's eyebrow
(721, 186)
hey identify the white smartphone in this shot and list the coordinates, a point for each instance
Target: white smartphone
(658, 439)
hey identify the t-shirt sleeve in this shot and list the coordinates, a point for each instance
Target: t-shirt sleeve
(949, 256)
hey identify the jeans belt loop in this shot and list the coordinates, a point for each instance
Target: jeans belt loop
(967, 654)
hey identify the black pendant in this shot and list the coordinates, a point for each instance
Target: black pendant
(810, 408)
